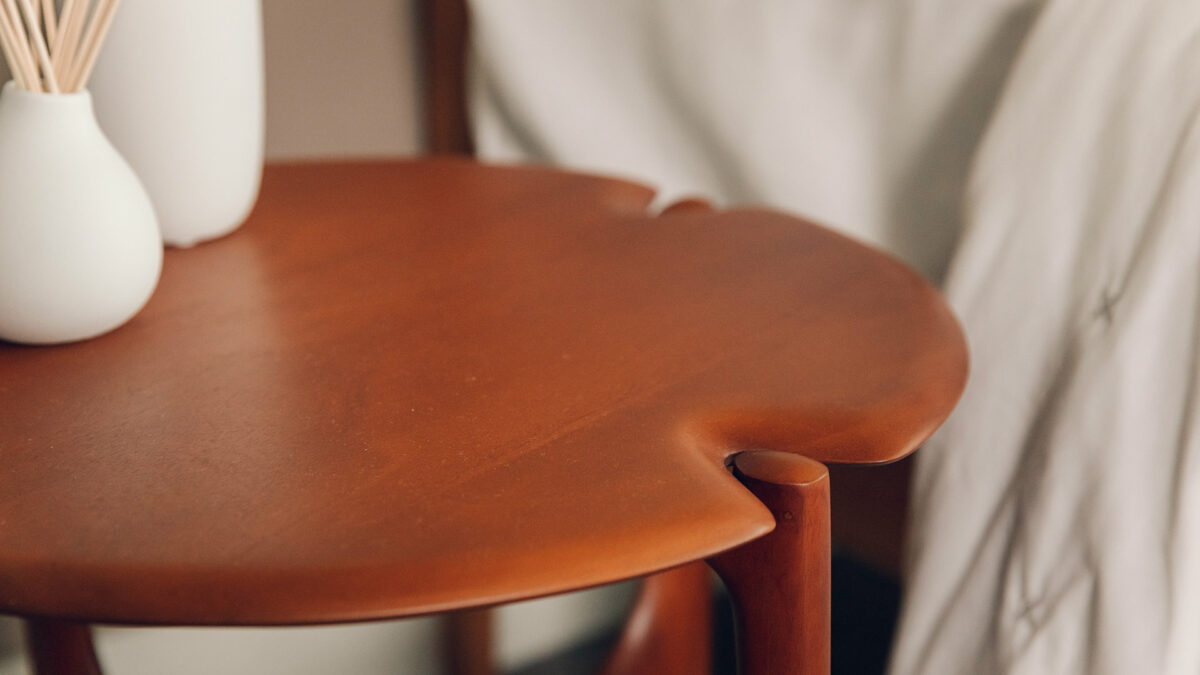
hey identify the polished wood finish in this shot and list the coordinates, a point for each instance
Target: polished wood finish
(61, 648)
(670, 627)
(780, 583)
(668, 631)
(444, 25)
(404, 388)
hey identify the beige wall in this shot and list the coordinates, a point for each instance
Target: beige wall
(341, 78)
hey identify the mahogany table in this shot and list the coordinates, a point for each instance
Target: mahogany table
(405, 388)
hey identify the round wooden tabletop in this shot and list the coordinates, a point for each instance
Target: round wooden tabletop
(402, 388)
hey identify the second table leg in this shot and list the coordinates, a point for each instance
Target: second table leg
(61, 648)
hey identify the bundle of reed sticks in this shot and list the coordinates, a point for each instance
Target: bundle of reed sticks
(51, 48)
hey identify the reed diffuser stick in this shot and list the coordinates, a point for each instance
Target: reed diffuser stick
(105, 11)
(28, 54)
(39, 43)
(75, 14)
(50, 50)
(56, 47)
(13, 16)
(87, 27)
(22, 65)
(49, 20)
(90, 44)
(6, 43)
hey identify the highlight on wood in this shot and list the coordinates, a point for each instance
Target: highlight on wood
(53, 49)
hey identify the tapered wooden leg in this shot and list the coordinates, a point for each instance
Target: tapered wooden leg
(780, 582)
(467, 642)
(669, 630)
(61, 648)
(444, 28)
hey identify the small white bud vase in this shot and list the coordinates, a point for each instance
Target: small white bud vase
(80, 251)
(179, 90)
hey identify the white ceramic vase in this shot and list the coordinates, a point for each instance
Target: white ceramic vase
(80, 251)
(179, 90)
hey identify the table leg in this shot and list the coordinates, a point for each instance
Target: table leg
(670, 627)
(61, 648)
(780, 582)
(467, 642)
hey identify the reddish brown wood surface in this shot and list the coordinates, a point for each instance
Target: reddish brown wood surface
(780, 583)
(670, 627)
(404, 388)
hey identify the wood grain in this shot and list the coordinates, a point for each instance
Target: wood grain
(404, 388)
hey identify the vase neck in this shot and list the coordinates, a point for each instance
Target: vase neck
(46, 109)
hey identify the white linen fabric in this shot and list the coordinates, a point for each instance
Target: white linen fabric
(862, 115)
(1045, 152)
(1057, 520)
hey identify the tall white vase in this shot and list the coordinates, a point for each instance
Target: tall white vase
(179, 90)
(80, 251)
